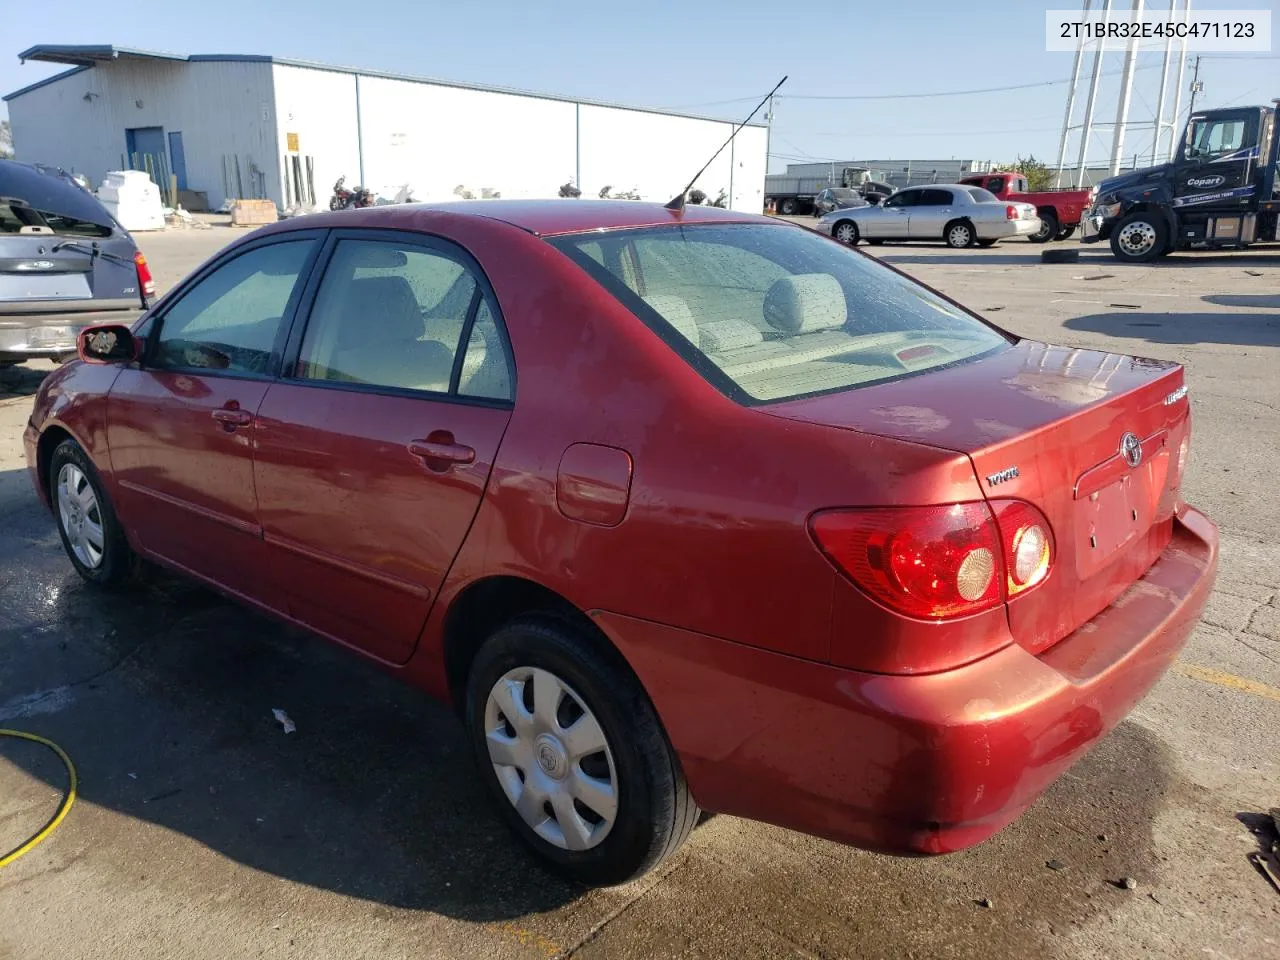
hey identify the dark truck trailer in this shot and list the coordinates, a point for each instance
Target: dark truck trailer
(1221, 191)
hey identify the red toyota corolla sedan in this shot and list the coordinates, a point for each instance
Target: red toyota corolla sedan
(683, 511)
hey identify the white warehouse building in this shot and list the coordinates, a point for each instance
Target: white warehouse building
(232, 126)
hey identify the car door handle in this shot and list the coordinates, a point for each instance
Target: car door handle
(232, 417)
(441, 448)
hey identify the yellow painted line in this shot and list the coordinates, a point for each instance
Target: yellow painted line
(1229, 680)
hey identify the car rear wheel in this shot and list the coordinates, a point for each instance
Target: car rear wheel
(91, 534)
(1048, 228)
(574, 754)
(1139, 237)
(959, 234)
(846, 231)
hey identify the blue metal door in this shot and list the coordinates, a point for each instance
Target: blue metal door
(178, 159)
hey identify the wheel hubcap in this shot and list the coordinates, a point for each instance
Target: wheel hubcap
(959, 236)
(1138, 238)
(844, 233)
(80, 515)
(551, 758)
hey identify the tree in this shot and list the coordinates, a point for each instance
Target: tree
(1039, 176)
(6, 139)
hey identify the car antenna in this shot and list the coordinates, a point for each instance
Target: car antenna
(676, 203)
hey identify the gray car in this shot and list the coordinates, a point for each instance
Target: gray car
(65, 263)
(959, 216)
(837, 198)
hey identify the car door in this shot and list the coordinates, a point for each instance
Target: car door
(889, 219)
(930, 213)
(374, 449)
(181, 424)
(1217, 163)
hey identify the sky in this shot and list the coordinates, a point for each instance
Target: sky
(918, 58)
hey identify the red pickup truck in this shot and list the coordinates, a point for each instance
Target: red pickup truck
(1060, 211)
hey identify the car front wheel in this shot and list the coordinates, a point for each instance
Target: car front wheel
(1139, 237)
(574, 754)
(91, 534)
(846, 231)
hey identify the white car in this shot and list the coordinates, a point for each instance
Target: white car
(958, 215)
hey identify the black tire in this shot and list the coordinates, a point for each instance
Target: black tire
(1140, 237)
(1060, 255)
(959, 234)
(788, 207)
(655, 811)
(118, 564)
(1048, 228)
(874, 243)
(846, 231)
(1065, 233)
(987, 243)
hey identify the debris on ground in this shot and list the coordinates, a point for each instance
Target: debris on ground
(1127, 306)
(1096, 276)
(992, 309)
(163, 796)
(283, 719)
(1128, 883)
(1254, 273)
(986, 903)
(1055, 865)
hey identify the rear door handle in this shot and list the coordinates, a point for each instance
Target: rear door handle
(232, 417)
(441, 448)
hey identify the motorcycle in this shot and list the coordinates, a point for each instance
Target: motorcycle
(343, 198)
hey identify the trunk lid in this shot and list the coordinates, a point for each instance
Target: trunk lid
(1045, 424)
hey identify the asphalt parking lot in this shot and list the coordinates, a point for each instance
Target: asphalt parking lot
(202, 830)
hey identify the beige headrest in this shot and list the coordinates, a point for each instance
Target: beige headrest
(805, 303)
(675, 310)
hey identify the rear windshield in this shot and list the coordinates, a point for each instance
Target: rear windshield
(770, 312)
(981, 195)
(15, 216)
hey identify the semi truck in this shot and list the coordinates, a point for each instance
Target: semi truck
(1222, 190)
(792, 196)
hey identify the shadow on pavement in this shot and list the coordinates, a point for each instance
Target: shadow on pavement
(1234, 329)
(1254, 301)
(22, 380)
(163, 698)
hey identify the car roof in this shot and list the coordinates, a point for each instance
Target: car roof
(51, 190)
(540, 217)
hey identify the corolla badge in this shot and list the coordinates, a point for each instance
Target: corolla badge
(1204, 183)
(1131, 449)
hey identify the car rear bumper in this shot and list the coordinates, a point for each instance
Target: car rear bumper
(913, 764)
(1003, 229)
(44, 334)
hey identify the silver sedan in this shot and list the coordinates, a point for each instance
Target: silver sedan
(958, 215)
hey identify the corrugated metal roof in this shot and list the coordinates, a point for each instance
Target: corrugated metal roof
(84, 57)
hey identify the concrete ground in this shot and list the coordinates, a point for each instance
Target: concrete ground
(202, 830)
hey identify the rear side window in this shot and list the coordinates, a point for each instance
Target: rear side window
(996, 184)
(982, 196)
(229, 321)
(397, 316)
(935, 198)
(15, 216)
(772, 313)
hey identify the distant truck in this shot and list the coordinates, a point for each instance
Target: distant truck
(1221, 191)
(1060, 211)
(796, 195)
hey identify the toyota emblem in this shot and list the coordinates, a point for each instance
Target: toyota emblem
(1131, 449)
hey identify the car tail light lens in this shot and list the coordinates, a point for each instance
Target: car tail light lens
(939, 562)
(1027, 543)
(145, 280)
(927, 562)
(1011, 212)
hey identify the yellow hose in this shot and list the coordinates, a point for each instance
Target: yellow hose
(63, 808)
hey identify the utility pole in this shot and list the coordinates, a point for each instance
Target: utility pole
(1196, 87)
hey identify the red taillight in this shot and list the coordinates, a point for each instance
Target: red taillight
(939, 562)
(145, 281)
(1027, 543)
(1011, 212)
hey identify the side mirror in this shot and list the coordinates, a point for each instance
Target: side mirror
(109, 343)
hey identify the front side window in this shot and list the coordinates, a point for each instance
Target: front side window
(394, 315)
(905, 198)
(771, 313)
(231, 319)
(1210, 139)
